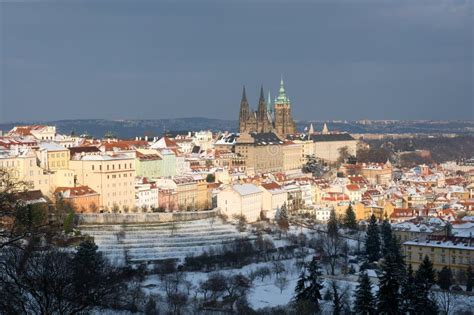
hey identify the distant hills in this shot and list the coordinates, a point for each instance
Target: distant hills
(156, 127)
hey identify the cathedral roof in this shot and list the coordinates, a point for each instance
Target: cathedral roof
(282, 98)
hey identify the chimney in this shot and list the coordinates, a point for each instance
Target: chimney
(146, 138)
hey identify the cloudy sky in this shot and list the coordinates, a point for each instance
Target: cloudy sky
(346, 59)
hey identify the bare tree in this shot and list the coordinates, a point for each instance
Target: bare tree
(281, 283)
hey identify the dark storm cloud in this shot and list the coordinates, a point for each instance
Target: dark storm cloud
(144, 59)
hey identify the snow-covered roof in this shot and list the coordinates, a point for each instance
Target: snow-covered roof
(246, 189)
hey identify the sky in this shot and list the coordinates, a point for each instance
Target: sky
(341, 59)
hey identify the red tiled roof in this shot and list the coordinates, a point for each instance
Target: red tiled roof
(353, 187)
(75, 191)
(271, 186)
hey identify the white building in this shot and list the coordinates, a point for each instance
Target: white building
(323, 213)
(237, 200)
(146, 196)
(273, 197)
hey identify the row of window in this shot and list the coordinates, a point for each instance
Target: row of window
(119, 175)
(108, 168)
(60, 163)
(58, 155)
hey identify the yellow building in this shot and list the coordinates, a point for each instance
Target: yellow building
(456, 254)
(111, 175)
(262, 152)
(186, 189)
(364, 210)
(292, 156)
(21, 165)
(53, 156)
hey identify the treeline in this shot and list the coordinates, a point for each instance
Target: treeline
(442, 149)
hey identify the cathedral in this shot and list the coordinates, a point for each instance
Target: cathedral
(267, 118)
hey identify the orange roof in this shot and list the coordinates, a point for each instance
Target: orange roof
(353, 187)
(271, 186)
(124, 144)
(70, 192)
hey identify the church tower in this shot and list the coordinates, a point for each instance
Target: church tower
(263, 124)
(244, 114)
(284, 123)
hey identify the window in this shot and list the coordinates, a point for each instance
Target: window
(92, 166)
(107, 167)
(100, 167)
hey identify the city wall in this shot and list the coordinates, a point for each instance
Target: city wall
(136, 218)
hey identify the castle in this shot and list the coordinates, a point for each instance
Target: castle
(267, 119)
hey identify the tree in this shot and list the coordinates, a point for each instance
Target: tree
(210, 178)
(343, 154)
(150, 307)
(408, 292)
(281, 282)
(350, 219)
(307, 290)
(445, 278)
(470, 279)
(372, 241)
(332, 225)
(388, 296)
(283, 222)
(364, 303)
(92, 283)
(386, 233)
(424, 280)
(46, 282)
(21, 221)
(337, 307)
(241, 223)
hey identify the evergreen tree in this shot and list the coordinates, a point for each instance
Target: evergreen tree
(445, 278)
(424, 280)
(364, 303)
(283, 222)
(396, 251)
(332, 225)
(337, 307)
(372, 241)
(307, 290)
(388, 296)
(470, 279)
(350, 219)
(386, 234)
(88, 272)
(408, 292)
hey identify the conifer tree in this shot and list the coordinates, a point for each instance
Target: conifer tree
(408, 292)
(364, 303)
(283, 222)
(424, 280)
(307, 290)
(350, 219)
(372, 241)
(386, 234)
(388, 296)
(332, 225)
(470, 279)
(445, 278)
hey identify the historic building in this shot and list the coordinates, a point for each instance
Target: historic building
(267, 119)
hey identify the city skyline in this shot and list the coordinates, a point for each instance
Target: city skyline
(340, 60)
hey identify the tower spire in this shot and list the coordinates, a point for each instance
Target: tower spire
(262, 98)
(244, 95)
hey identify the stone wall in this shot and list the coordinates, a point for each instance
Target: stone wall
(123, 218)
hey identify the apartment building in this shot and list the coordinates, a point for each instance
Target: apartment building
(454, 253)
(112, 175)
